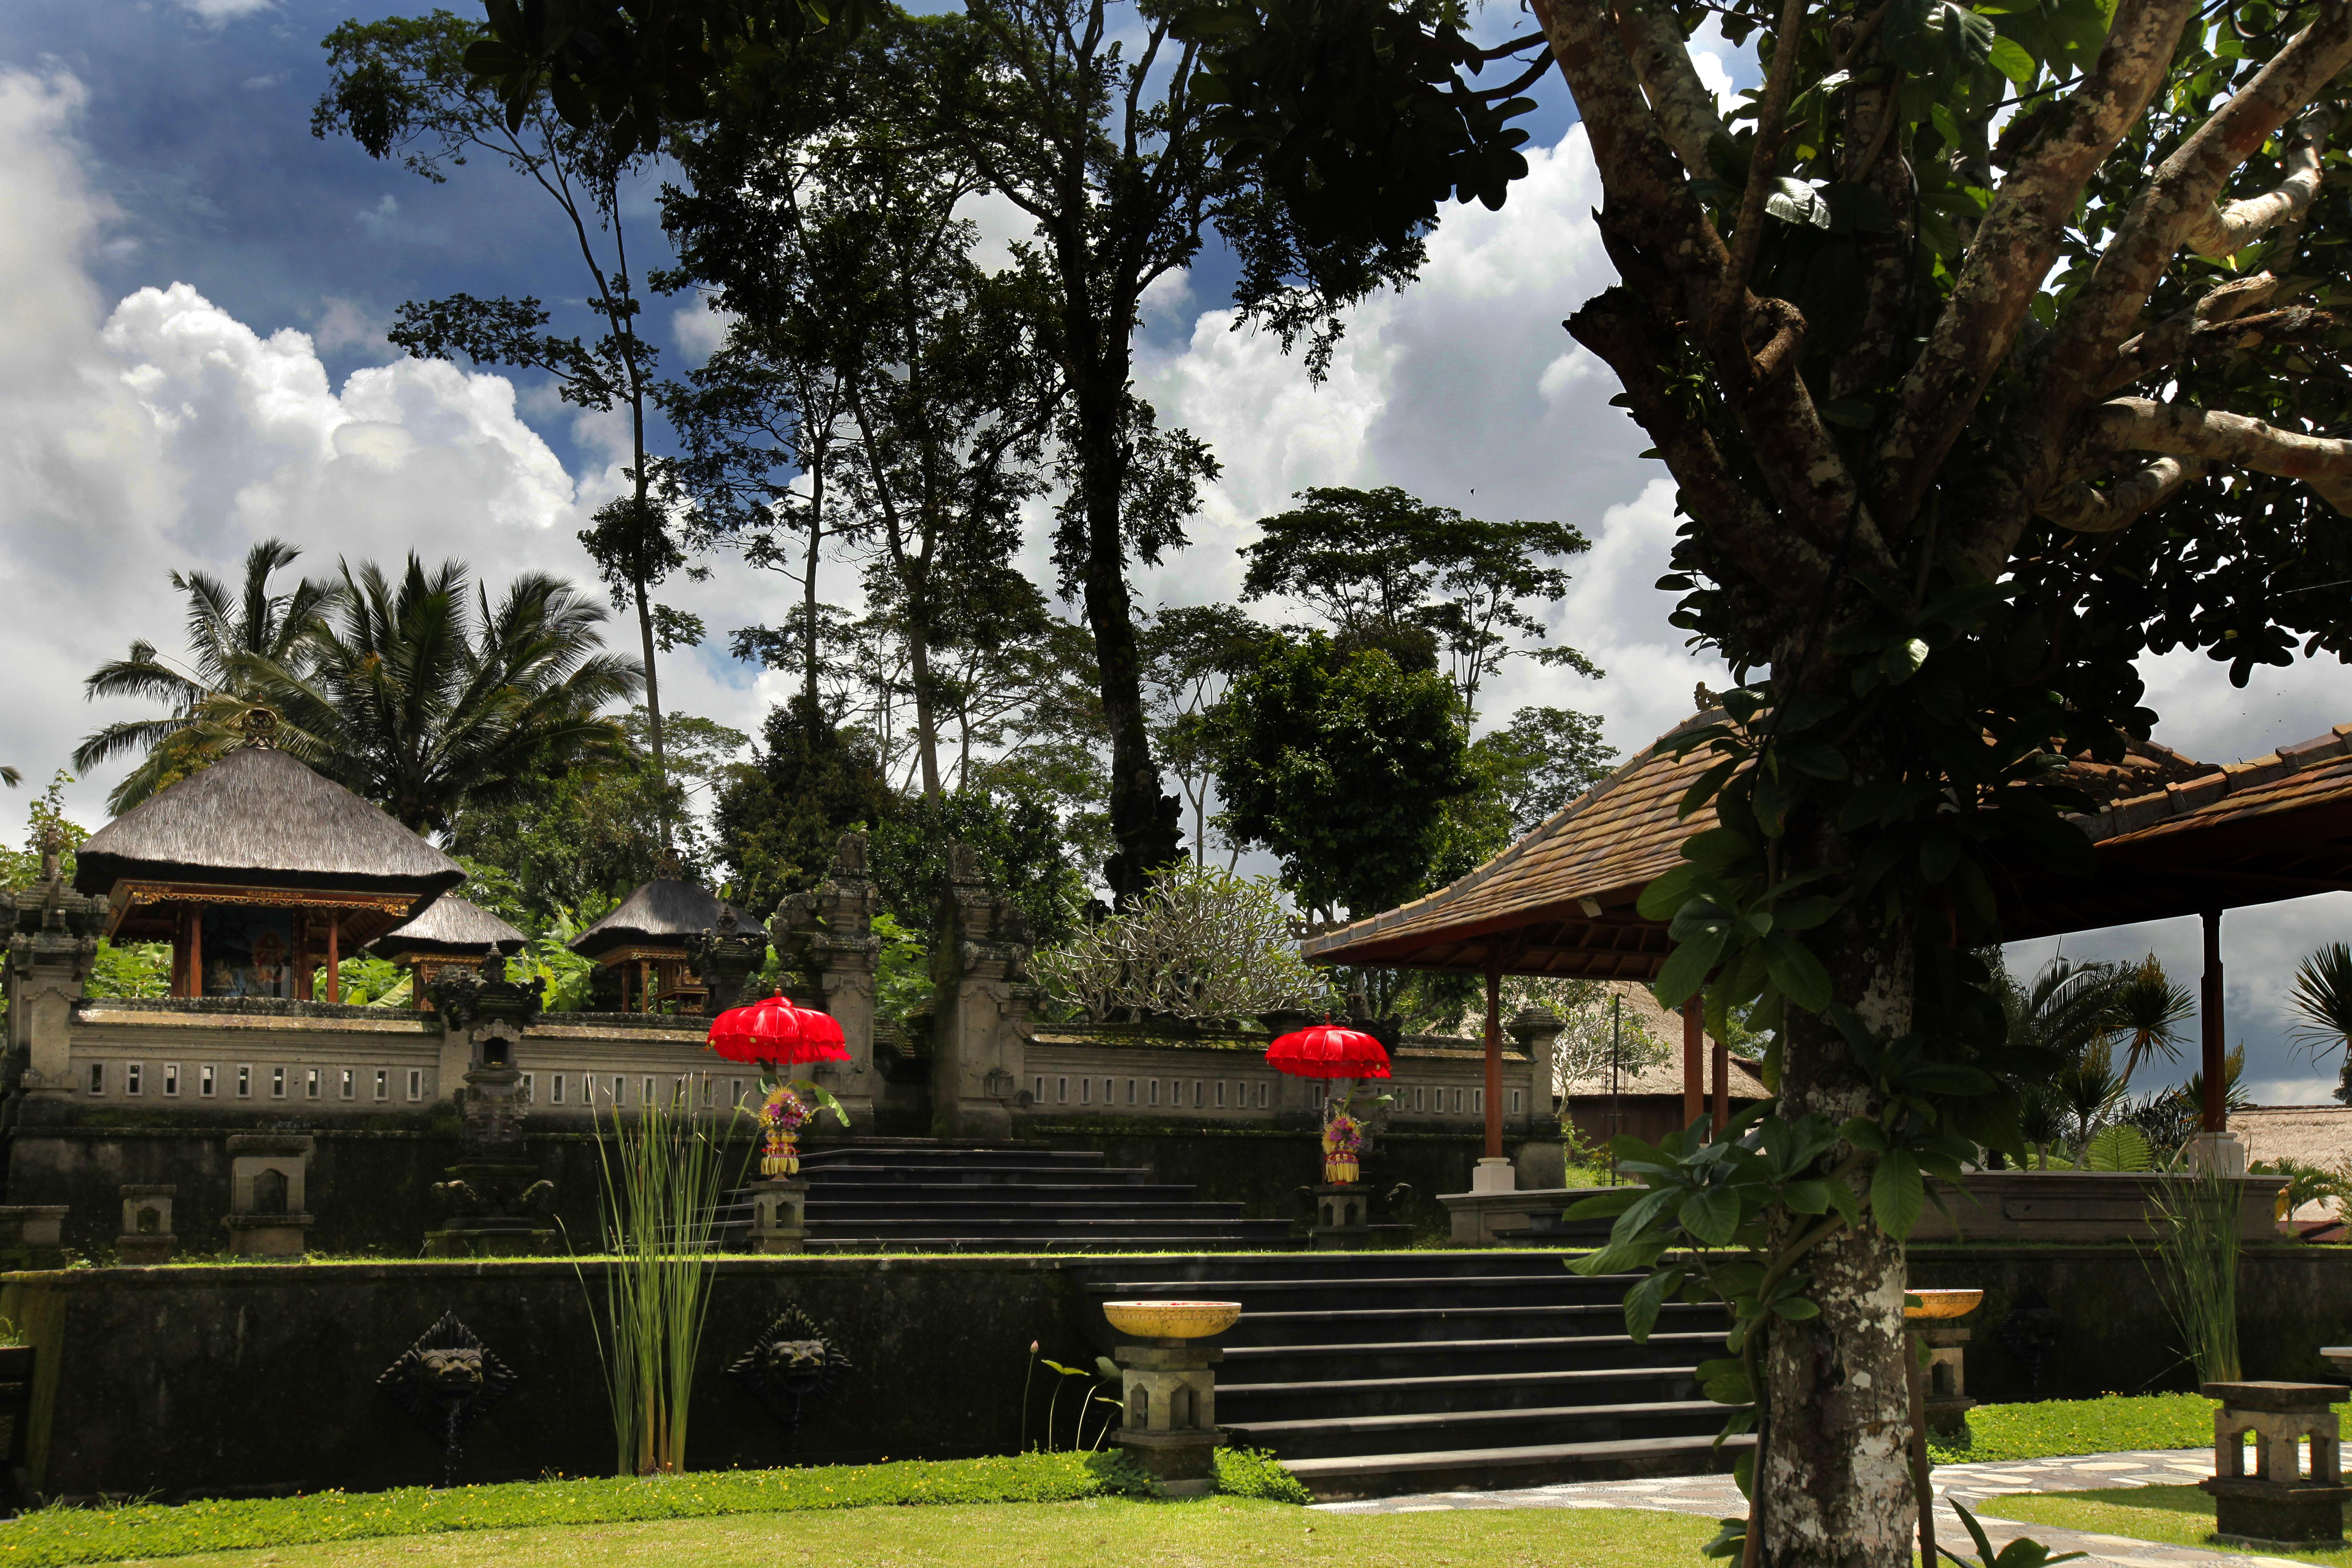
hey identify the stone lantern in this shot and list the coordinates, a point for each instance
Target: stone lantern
(2278, 1505)
(147, 1224)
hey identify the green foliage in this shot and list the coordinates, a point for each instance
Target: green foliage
(662, 1174)
(2194, 1267)
(2054, 1428)
(138, 969)
(1021, 844)
(2322, 999)
(2150, 1008)
(1544, 758)
(1255, 1473)
(47, 827)
(2121, 1147)
(779, 817)
(902, 971)
(58, 1535)
(1340, 763)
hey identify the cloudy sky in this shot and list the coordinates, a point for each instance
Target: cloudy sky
(193, 298)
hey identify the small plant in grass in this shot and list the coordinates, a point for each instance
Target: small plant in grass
(661, 1176)
(1103, 1370)
(2195, 1268)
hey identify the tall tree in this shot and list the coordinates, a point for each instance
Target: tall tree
(1191, 654)
(224, 630)
(1375, 561)
(1979, 345)
(400, 87)
(1088, 116)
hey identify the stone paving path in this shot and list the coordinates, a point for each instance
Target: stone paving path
(1979, 1485)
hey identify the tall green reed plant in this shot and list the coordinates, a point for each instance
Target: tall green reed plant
(661, 1176)
(2194, 1267)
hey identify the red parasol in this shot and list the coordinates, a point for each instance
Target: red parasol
(773, 1030)
(1329, 1050)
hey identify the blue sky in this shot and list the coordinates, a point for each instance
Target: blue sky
(166, 217)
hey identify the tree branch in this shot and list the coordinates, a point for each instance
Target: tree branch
(1732, 300)
(1630, 339)
(2015, 248)
(2083, 507)
(1686, 112)
(2175, 201)
(2180, 429)
(2185, 338)
(2225, 231)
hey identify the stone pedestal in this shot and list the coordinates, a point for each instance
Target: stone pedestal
(147, 1235)
(493, 1208)
(2221, 1153)
(2278, 1505)
(779, 1215)
(1168, 1393)
(495, 1202)
(1947, 1403)
(268, 1174)
(1494, 1175)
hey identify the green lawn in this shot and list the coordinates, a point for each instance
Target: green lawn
(1216, 1533)
(2055, 1427)
(2177, 1516)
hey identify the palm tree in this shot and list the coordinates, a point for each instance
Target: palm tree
(11, 777)
(2322, 999)
(2067, 1006)
(422, 697)
(2152, 1008)
(2090, 1086)
(223, 632)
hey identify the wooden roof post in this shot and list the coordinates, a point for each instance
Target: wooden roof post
(2216, 1117)
(1495, 1055)
(1693, 1069)
(1722, 1087)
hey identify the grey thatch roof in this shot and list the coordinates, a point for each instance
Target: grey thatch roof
(664, 911)
(450, 925)
(258, 816)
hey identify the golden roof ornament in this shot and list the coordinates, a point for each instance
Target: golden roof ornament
(260, 726)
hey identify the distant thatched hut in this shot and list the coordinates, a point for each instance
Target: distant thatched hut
(258, 870)
(644, 951)
(453, 932)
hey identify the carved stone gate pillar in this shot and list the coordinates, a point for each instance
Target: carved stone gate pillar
(826, 939)
(51, 933)
(978, 1051)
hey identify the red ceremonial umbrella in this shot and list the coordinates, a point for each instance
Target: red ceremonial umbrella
(1328, 1050)
(773, 1031)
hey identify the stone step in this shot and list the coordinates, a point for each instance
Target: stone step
(1390, 1325)
(1335, 1398)
(1427, 1358)
(1420, 1431)
(1342, 1476)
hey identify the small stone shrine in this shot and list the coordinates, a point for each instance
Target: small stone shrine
(1168, 1390)
(268, 1177)
(147, 1235)
(494, 1203)
(2279, 1505)
(779, 1215)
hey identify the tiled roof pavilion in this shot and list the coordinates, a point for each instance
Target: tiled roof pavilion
(2175, 837)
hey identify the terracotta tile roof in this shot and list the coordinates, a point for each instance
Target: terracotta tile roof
(2174, 836)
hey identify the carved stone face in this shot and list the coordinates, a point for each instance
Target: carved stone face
(786, 1362)
(450, 1375)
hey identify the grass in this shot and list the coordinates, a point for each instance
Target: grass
(2056, 1427)
(70, 1535)
(1217, 1533)
(2176, 1516)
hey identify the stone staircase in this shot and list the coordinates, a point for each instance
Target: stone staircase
(1370, 1374)
(918, 1196)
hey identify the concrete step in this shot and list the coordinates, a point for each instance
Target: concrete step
(1427, 1358)
(1390, 1325)
(1340, 1478)
(1340, 1293)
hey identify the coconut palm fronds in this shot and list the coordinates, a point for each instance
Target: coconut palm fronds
(2150, 1009)
(2322, 999)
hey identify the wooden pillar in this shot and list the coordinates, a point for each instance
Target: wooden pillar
(298, 979)
(335, 959)
(196, 951)
(180, 950)
(1495, 1058)
(1694, 1064)
(1722, 1087)
(2216, 1111)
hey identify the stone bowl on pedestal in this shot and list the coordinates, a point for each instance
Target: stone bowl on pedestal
(1935, 1304)
(1171, 1320)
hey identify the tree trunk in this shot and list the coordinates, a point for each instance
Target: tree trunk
(808, 589)
(1143, 818)
(919, 663)
(1836, 1477)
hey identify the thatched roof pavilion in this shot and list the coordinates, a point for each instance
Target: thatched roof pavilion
(452, 933)
(2173, 836)
(256, 870)
(646, 943)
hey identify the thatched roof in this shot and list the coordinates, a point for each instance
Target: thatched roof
(451, 925)
(258, 818)
(662, 913)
